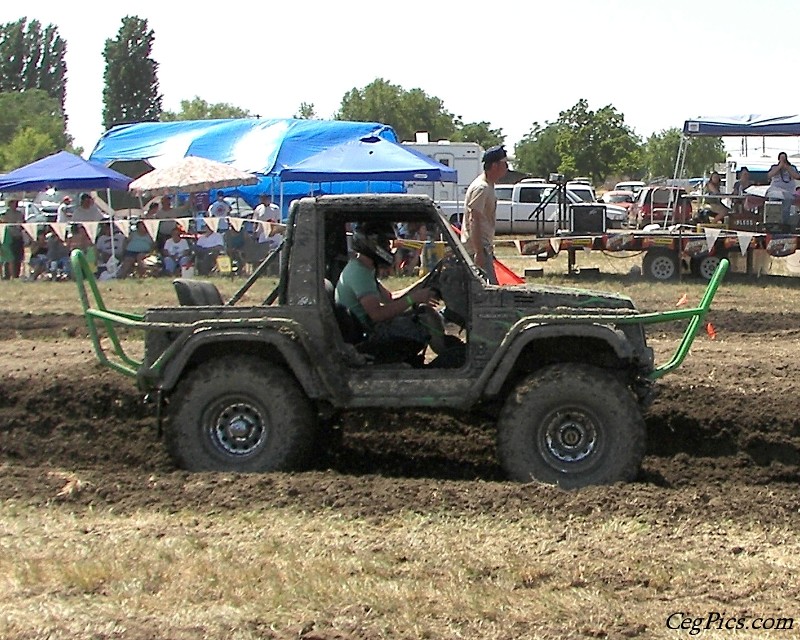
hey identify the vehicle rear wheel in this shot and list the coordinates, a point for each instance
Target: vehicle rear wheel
(571, 425)
(240, 414)
(660, 264)
(705, 266)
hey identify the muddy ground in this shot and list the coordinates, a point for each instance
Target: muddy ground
(724, 438)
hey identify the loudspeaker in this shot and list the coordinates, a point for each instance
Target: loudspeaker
(587, 218)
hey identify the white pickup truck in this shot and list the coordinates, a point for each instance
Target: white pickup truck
(528, 208)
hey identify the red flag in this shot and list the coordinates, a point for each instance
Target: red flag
(505, 275)
(711, 331)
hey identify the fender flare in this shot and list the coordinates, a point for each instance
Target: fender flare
(292, 344)
(503, 361)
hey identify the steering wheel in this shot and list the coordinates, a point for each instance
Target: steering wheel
(431, 279)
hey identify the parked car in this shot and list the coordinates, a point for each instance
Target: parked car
(657, 204)
(33, 213)
(631, 185)
(624, 199)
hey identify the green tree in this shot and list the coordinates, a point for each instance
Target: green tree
(661, 151)
(199, 109)
(480, 132)
(537, 153)
(596, 143)
(306, 111)
(131, 91)
(405, 111)
(30, 117)
(32, 58)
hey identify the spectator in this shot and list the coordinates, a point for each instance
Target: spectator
(713, 187)
(38, 261)
(104, 241)
(12, 249)
(64, 210)
(220, 209)
(57, 257)
(139, 246)
(87, 210)
(176, 252)
(265, 210)
(480, 207)
(168, 215)
(782, 178)
(747, 203)
(209, 245)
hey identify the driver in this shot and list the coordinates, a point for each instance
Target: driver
(396, 329)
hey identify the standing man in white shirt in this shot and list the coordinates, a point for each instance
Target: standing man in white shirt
(220, 209)
(64, 210)
(480, 206)
(87, 210)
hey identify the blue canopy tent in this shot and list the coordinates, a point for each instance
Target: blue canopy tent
(369, 158)
(264, 147)
(63, 170)
(747, 125)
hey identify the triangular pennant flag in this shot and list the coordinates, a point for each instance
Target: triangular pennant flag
(60, 229)
(555, 243)
(184, 223)
(3, 232)
(744, 238)
(712, 233)
(151, 226)
(124, 227)
(518, 245)
(91, 229)
(30, 229)
(236, 224)
(212, 222)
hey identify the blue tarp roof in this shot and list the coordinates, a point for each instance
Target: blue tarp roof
(63, 170)
(265, 147)
(746, 125)
(369, 158)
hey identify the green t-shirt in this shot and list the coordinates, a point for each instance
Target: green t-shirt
(356, 281)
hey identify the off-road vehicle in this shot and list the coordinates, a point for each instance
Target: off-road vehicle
(251, 384)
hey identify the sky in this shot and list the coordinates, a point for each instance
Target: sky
(510, 64)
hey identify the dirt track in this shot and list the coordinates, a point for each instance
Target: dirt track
(724, 439)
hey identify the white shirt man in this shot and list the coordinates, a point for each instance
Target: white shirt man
(87, 211)
(266, 211)
(64, 210)
(220, 209)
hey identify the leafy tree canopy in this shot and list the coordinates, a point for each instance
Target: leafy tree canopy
(199, 109)
(480, 132)
(306, 111)
(661, 151)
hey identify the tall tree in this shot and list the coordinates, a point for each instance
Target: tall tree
(537, 152)
(32, 58)
(131, 91)
(661, 151)
(405, 111)
(480, 132)
(199, 109)
(596, 143)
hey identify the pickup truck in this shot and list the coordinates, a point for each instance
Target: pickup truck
(531, 207)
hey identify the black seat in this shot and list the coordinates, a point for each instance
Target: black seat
(197, 293)
(349, 326)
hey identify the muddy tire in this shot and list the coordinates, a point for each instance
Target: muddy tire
(240, 414)
(572, 426)
(705, 266)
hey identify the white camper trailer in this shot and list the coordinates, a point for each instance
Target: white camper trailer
(464, 157)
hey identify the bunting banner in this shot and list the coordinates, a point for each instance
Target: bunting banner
(236, 224)
(212, 222)
(744, 238)
(151, 226)
(60, 229)
(555, 244)
(184, 223)
(712, 233)
(3, 231)
(91, 229)
(124, 227)
(30, 229)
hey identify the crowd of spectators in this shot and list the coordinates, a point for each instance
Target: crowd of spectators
(149, 249)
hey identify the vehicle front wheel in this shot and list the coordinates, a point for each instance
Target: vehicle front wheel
(705, 266)
(571, 425)
(240, 414)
